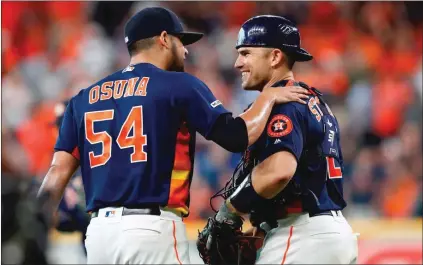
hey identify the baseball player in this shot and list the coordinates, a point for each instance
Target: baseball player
(133, 134)
(290, 181)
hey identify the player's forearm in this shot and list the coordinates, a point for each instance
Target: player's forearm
(264, 186)
(257, 115)
(266, 189)
(61, 170)
(53, 186)
(268, 178)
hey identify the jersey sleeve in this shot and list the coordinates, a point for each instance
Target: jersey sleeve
(68, 138)
(284, 131)
(201, 107)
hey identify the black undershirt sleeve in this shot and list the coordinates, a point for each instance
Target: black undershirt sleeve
(230, 133)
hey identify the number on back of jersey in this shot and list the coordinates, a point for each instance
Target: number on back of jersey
(330, 147)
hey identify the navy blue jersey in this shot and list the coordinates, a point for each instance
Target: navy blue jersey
(134, 134)
(311, 133)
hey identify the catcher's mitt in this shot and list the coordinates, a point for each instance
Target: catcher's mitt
(223, 244)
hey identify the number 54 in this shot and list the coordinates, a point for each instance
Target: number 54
(137, 141)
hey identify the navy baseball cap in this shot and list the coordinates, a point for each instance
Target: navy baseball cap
(151, 21)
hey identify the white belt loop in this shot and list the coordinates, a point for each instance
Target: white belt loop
(336, 213)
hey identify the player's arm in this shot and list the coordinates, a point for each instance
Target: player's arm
(236, 134)
(268, 179)
(257, 115)
(65, 161)
(273, 174)
(63, 166)
(215, 123)
(279, 161)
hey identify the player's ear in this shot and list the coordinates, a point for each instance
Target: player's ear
(164, 40)
(276, 58)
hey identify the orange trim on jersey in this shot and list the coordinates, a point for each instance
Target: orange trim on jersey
(288, 244)
(290, 83)
(180, 178)
(295, 207)
(182, 154)
(179, 191)
(175, 242)
(75, 153)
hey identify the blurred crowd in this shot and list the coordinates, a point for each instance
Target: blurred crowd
(368, 63)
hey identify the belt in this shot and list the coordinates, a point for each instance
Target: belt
(140, 211)
(281, 215)
(329, 213)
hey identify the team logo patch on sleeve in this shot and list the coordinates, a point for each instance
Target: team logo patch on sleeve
(216, 103)
(280, 125)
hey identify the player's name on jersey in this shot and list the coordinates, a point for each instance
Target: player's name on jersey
(118, 89)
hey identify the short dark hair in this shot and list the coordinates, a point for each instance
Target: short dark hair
(290, 61)
(140, 45)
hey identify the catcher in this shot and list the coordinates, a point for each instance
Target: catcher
(290, 180)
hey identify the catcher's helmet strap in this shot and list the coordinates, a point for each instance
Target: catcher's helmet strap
(245, 197)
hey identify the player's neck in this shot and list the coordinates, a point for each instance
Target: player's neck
(157, 61)
(279, 76)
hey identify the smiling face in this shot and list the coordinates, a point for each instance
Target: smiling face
(255, 64)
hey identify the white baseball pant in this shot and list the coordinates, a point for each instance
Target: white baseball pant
(301, 239)
(136, 239)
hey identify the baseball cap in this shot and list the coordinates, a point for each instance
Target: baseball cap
(151, 21)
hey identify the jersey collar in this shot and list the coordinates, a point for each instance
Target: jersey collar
(286, 82)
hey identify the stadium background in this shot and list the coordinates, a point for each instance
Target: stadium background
(368, 61)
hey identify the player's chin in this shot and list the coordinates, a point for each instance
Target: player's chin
(248, 87)
(245, 85)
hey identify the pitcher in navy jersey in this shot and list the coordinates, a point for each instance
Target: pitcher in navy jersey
(290, 180)
(133, 134)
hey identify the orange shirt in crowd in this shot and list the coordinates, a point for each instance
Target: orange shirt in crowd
(400, 202)
(389, 101)
(37, 136)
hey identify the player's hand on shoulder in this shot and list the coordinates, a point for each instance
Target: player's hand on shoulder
(287, 94)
